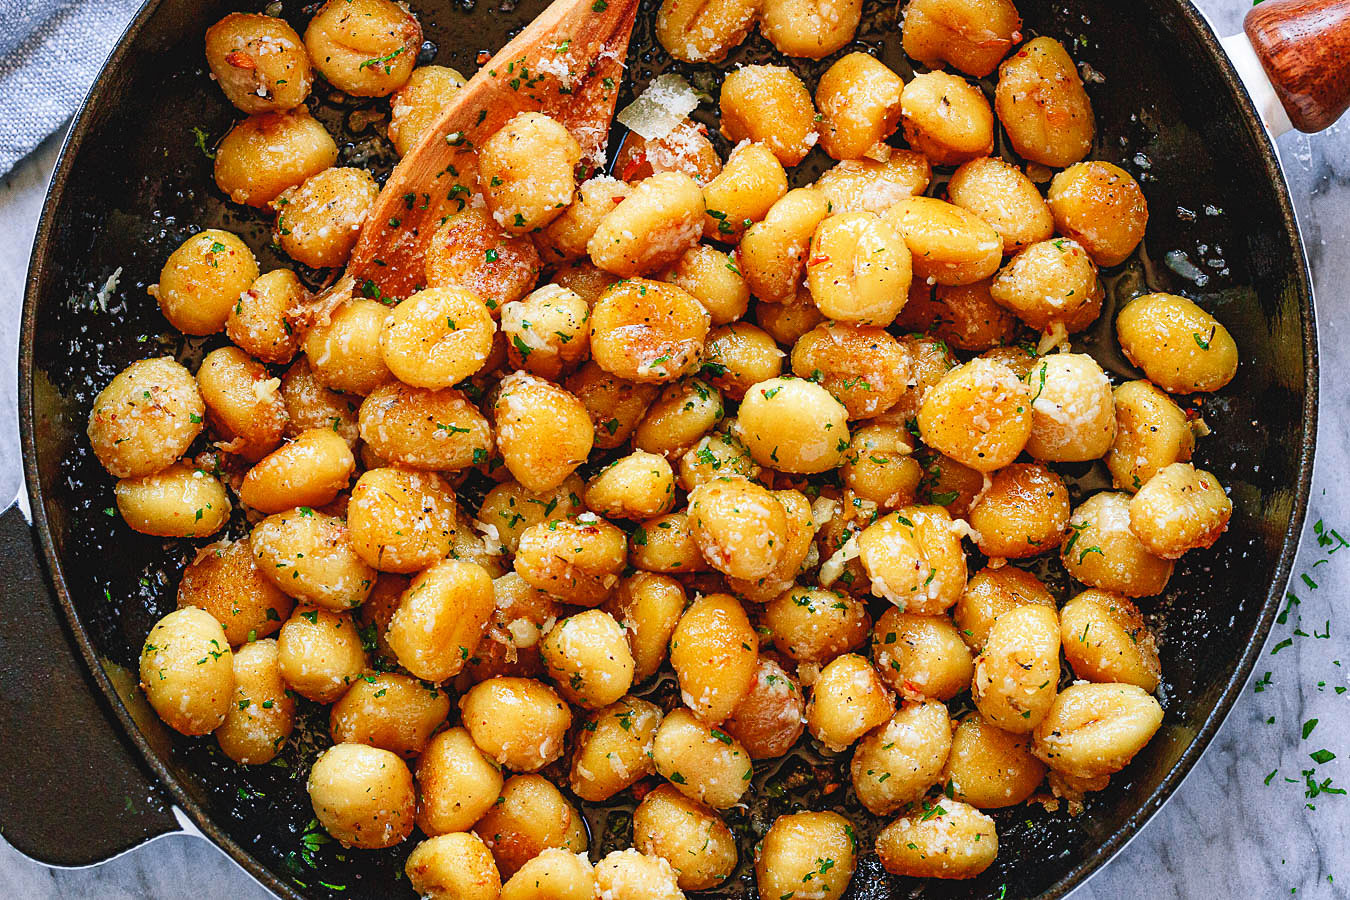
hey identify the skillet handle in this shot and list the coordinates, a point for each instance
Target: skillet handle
(72, 790)
(1304, 48)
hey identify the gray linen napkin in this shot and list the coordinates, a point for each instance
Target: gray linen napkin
(50, 52)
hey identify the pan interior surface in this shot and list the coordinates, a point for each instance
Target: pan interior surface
(135, 180)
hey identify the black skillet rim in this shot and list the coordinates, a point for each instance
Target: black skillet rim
(1256, 133)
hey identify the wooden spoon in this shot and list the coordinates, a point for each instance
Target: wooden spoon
(567, 63)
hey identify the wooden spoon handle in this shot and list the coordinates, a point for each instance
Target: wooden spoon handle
(567, 63)
(1304, 46)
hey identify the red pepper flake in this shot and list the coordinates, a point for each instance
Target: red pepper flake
(483, 57)
(634, 163)
(816, 260)
(240, 60)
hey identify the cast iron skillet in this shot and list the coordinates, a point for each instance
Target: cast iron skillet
(92, 773)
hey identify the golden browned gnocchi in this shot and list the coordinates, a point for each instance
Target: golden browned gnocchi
(363, 796)
(972, 35)
(311, 404)
(576, 561)
(742, 194)
(389, 711)
(437, 337)
(1180, 508)
(401, 520)
(848, 700)
(864, 367)
(717, 455)
(738, 526)
(859, 269)
(769, 105)
(814, 625)
(259, 62)
(793, 425)
(518, 722)
(648, 331)
(530, 816)
(1050, 283)
(703, 763)
(633, 875)
(225, 581)
(616, 406)
(319, 221)
(260, 321)
(471, 251)
(715, 654)
(243, 402)
(526, 171)
(456, 783)
(944, 839)
(713, 279)
(1073, 415)
(320, 653)
(946, 118)
(423, 428)
(898, 762)
(614, 748)
(1017, 672)
(869, 185)
(806, 854)
(555, 874)
(1094, 730)
(682, 414)
(365, 47)
(455, 866)
(702, 31)
(1004, 197)
(187, 671)
(441, 618)
(1042, 105)
(179, 501)
(741, 355)
(648, 605)
(309, 471)
(810, 28)
(266, 154)
(979, 414)
(587, 657)
(1180, 347)
(772, 252)
(880, 467)
(914, 558)
(691, 837)
(989, 594)
(1105, 639)
(859, 101)
(1101, 207)
(1021, 513)
(921, 656)
(652, 227)
(309, 555)
(262, 716)
(963, 315)
(414, 108)
(989, 768)
(1102, 551)
(771, 717)
(201, 281)
(146, 418)
(1152, 433)
(948, 244)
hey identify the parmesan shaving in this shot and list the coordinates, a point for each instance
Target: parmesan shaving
(660, 108)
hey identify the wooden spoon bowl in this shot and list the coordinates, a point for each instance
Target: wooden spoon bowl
(567, 63)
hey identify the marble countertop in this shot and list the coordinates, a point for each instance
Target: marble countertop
(1228, 831)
